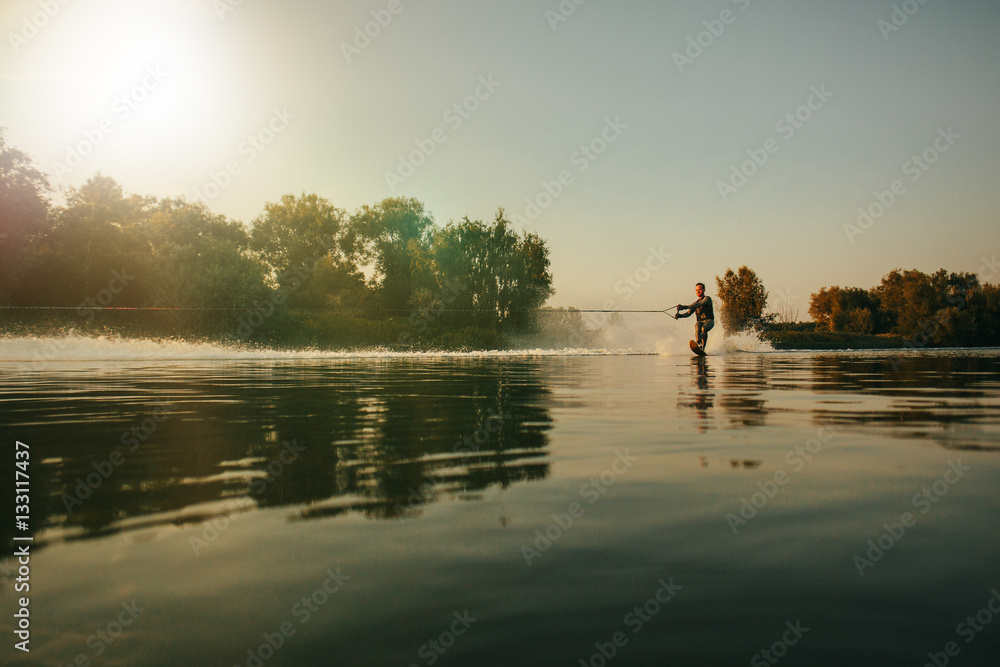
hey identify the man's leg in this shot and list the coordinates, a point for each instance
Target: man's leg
(706, 326)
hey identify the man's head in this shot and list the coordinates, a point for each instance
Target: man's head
(699, 289)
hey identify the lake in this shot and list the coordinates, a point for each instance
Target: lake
(193, 506)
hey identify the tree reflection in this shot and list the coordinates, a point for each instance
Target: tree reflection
(945, 398)
(367, 436)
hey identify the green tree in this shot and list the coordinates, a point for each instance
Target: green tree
(305, 241)
(559, 327)
(915, 303)
(296, 231)
(390, 238)
(98, 233)
(743, 299)
(504, 276)
(202, 260)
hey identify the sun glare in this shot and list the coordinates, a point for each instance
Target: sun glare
(136, 70)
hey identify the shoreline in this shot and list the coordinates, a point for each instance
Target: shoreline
(96, 346)
(834, 340)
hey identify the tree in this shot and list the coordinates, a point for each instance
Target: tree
(860, 321)
(97, 233)
(296, 231)
(504, 276)
(24, 208)
(914, 302)
(390, 236)
(202, 260)
(908, 299)
(786, 313)
(306, 243)
(565, 327)
(926, 309)
(743, 299)
(845, 309)
(985, 307)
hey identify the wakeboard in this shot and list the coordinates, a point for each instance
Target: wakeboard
(697, 349)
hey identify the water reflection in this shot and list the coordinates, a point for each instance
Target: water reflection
(701, 400)
(133, 445)
(948, 399)
(383, 440)
(289, 444)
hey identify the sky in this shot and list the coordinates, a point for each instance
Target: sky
(653, 145)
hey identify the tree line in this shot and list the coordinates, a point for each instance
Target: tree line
(304, 270)
(307, 272)
(939, 309)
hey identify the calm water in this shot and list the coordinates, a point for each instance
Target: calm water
(509, 509)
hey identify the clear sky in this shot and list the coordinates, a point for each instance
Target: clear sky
(668, 123)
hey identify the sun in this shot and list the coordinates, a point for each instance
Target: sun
(124, 80)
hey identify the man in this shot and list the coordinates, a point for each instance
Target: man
(706, 315)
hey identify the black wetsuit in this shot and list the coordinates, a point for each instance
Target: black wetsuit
(706, 318)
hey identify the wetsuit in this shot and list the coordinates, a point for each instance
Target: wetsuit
(706, 318)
